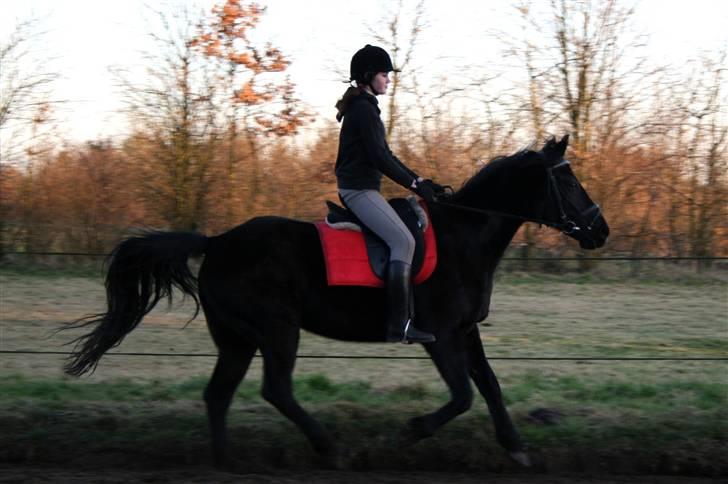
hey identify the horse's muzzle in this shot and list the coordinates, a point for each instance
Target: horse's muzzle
(596, 236)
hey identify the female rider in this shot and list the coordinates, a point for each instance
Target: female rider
(362, 159)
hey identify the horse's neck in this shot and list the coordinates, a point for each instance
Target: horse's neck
(493, 190)
(490, 235)
(471, 246)
(495, 238)
(481, 238)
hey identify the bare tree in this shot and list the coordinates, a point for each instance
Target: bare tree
(173, 114)
(585, 73)
(258, 99)
(579, 58)
(25, 109)
(25, 89)
(26, 80)
(706, 157)
(401, 46)
(687, 130)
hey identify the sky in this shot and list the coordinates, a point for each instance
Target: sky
(86, 38)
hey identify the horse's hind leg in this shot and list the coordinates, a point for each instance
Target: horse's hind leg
(484, 378)
(279, 356)
(232, 364)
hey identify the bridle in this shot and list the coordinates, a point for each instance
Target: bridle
(565, 224)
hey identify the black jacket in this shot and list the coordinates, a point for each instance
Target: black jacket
(363, 151)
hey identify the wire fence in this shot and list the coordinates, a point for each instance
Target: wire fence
(387, 357)
(515, 260)
(607, 267)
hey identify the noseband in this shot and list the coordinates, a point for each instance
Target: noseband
(565, 224)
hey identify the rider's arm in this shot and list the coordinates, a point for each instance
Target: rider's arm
(372, 135)
(405, 167)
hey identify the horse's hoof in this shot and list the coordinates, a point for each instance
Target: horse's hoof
(332, 459)
(414, 431)
(521, 458)
(235, 466)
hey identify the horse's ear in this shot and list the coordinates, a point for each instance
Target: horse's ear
(561, 146)
(555, 150)
(549, 147)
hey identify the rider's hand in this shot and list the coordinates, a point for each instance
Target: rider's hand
(425, 190)
(437, 189)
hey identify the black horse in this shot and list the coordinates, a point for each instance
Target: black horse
(263, 281)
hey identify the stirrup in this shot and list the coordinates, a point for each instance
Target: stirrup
(413, 335)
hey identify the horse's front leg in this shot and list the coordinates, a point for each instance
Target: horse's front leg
(484, 378)
(449, 357)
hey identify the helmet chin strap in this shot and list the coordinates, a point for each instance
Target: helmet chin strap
(370, 85)
(368, 88)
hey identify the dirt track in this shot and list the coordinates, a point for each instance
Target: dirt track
(205, 475)
(27, 317)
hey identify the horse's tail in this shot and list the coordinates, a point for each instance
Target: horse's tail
(142, 271)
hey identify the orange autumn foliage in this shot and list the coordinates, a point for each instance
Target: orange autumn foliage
(226, 38)
(85, 197)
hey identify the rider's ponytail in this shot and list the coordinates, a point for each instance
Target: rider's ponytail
(343, 103)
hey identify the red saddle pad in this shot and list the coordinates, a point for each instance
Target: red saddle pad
(347, 262)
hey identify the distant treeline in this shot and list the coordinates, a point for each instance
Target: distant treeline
(217, 135)
(86, 198)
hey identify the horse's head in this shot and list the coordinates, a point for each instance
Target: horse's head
(567, 206)
(536, 186)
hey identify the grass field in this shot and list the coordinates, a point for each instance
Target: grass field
(612, 416)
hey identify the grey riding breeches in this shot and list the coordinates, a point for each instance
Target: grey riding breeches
(379, 217)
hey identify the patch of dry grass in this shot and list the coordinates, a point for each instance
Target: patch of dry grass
(532, 318)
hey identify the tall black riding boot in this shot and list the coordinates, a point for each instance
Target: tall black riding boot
(399, 294)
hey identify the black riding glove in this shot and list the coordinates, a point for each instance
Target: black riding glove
(425, 191)
(436, 188)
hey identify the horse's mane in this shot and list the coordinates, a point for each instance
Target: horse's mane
(519, 158)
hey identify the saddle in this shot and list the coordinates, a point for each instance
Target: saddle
(354, 256)
(411, 213)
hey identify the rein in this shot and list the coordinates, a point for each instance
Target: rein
(483, 211)
(566, 225)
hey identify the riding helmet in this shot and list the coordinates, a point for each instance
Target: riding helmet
(368, 61)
